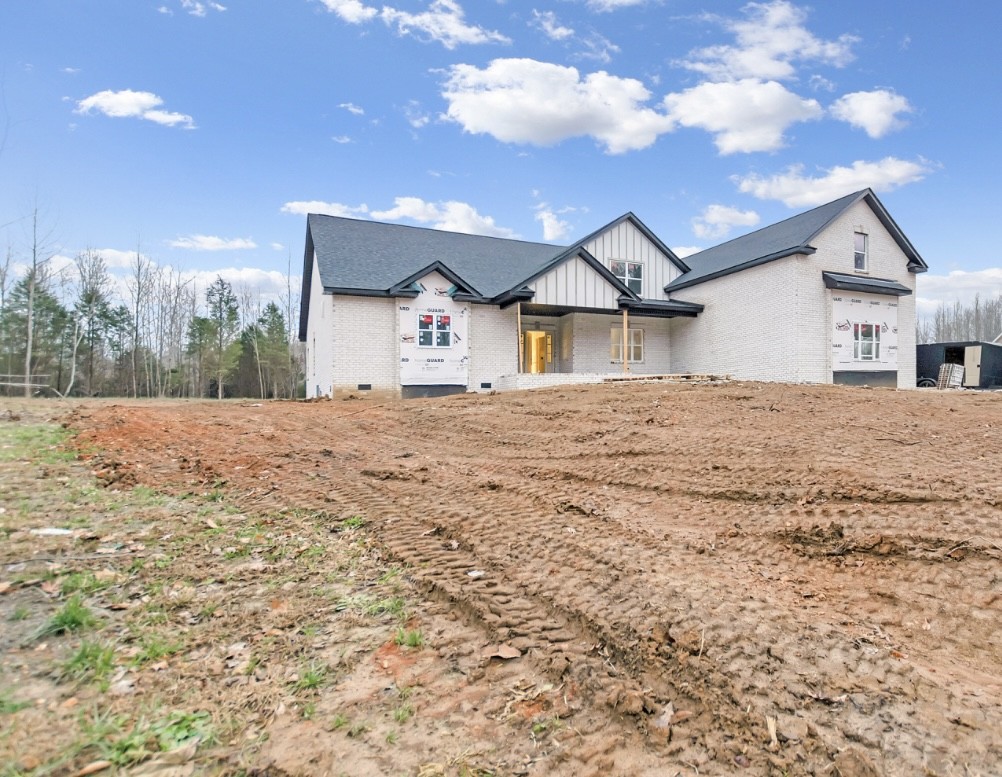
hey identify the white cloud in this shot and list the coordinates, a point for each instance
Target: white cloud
(351, 11)
(744, 116)
(597, 47)
(794, 189)
(342, 139)
(874, 112)
(683, 251)
(212, 243)
(352, 108)
(269, 284)
(526, 101)
(277, 246)
(197, 8)
(304, 207)
(547, 22)
(768, 41)
(957, 286)
(613, 5)
(130, 104)
(554, 228)
(415, 116)
(717, 221)
(452, 216)
(444, 22)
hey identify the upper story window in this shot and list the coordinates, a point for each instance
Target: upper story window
(630, 273)
(860, 251)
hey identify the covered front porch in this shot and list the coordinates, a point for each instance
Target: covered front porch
(560, 345)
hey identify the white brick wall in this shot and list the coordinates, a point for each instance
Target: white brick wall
(773, 322)
(319, 347)
(493, 344)
(366, 343)
(591, 340)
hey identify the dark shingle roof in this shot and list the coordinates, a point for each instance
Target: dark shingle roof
(369, 255)
(788, 237)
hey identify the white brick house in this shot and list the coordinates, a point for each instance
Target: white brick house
(825, 296)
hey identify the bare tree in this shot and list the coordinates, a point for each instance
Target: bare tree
(139, 284)
(37, 274)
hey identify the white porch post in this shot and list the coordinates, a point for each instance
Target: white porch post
(518, 321)
(626, 336)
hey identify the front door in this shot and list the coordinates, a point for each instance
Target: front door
(538, 352)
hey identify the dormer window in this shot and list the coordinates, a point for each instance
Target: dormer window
(630, 273)
(860, 251)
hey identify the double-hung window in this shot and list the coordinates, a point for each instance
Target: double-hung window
(630, 273)
(634, 345)
(866, 342)
(434, 331)
(860, 253)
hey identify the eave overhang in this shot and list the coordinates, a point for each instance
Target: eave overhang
(842, 282)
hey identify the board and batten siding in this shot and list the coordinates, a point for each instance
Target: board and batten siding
(575, 284)
(625, 242)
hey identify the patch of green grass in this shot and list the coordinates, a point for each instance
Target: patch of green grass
(403, 713)
(143, 496)
(124, 742)
(40, 443)
(391, 738)
(412, 638)
(309, 710)
(82, 582)
(8, 706)
(92, 662)
(354, 522)
(180, 728)
(72, 616)
(395, 606)
(20, 613)
(339, 721)
(153, 647)
(311, 678)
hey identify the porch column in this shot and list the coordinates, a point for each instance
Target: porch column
(518, 320)
(626, 337)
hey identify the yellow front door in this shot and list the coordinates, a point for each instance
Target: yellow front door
(538, 351)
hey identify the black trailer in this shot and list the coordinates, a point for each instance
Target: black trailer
(982, 363)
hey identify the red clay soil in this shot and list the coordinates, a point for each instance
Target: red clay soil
(752, 578)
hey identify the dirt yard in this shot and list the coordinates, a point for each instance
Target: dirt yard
(646, 579)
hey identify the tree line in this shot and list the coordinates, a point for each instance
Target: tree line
(980, 320)
(72, 333)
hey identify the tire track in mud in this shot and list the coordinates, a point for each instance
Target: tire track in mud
(597, 626)
(593, 607)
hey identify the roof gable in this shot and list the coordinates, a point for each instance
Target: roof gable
(787, 238)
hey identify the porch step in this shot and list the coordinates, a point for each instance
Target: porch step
(686, 377)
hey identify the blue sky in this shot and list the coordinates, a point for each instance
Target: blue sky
(200, 133)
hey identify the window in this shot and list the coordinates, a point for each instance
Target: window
(859, 251)
(630, 273)
(634, 344)
(866, 342)
(434, 331)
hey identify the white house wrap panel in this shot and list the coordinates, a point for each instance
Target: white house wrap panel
(434, 336)
(865, 332)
